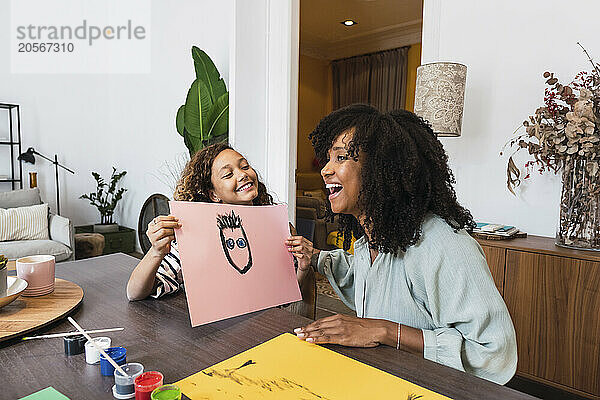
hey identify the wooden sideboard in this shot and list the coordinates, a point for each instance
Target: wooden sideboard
(553, 296)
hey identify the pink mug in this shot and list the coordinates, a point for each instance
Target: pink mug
(38, 271)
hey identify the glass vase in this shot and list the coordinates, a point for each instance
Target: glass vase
(579, 221)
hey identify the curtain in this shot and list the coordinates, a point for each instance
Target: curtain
(378, 79)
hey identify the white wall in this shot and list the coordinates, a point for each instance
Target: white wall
(95, 121)
(264, 85)
(506, 47)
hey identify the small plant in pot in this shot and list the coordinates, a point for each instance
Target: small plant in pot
(105, 199)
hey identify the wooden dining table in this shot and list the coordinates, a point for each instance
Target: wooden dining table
(159, 335)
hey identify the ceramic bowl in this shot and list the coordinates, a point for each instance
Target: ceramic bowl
(16, 286)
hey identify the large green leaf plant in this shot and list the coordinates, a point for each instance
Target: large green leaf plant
(204, 118)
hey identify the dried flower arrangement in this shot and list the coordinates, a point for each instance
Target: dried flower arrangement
(564, 135)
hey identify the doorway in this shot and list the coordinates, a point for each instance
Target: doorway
(331, 32)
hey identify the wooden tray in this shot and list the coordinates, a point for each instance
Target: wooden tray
(26, 314)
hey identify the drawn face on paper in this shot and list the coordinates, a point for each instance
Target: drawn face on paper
(235, 242)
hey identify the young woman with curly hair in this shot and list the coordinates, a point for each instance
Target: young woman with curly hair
(417, 280)
(215, 174)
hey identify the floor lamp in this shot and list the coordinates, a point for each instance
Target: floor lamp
(29, 157)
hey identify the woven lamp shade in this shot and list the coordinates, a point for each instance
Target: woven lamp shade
(440, 96)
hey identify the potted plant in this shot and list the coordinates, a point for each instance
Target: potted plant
(204, 118)
(564, 135)
(105, 199)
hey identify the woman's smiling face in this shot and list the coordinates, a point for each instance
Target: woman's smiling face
(234, 181)
(342, 176)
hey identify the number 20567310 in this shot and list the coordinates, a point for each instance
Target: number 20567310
(45, 47)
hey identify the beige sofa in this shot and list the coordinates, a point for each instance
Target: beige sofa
(311, 205)
(61, 243)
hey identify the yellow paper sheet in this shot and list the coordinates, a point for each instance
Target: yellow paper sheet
(289, 368)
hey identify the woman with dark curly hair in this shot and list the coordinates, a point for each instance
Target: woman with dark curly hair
(215, 174)
(417, 280)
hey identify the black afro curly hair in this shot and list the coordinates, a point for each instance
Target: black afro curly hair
(405, 175)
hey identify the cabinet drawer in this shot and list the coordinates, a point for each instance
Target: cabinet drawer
(555, 306)
(118, 243)
(122, 241)
(495, 257)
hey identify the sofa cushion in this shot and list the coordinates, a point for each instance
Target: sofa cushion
(312, 202)
(319, 194)
(306, 213)
(24, 223)
(22, 248)
(61, 229)
(20, 198)
(309, 181)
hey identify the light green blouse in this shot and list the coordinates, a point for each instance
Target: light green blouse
(441, 285)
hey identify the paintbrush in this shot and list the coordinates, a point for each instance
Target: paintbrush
(55, 335)
(108, 358)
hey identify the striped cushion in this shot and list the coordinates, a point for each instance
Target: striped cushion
(24, 223)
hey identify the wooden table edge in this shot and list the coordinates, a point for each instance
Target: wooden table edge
(45, 324)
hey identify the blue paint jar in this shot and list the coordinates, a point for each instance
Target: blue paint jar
(124, 387)
(118, 354)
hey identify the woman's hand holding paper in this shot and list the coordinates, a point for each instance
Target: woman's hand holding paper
(302, 249)
(161, 232)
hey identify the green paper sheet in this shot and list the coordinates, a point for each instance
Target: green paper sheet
(46, 394)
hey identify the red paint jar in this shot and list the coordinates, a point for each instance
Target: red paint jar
(146, 383)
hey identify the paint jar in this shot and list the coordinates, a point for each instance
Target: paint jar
(124, 388)
(146, 383)
(166, 392)
(92, 355)
(118, 354)
(74, 344)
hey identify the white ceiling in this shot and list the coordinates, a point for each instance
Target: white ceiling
(382, 24)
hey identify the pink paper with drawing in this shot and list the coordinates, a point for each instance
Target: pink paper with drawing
(234, 259)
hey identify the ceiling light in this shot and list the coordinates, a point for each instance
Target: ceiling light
(349, 22)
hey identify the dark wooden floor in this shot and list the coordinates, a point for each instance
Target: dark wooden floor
(327, 306)
(136, 255)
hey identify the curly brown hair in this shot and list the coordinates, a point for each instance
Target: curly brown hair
(404, 176)
(195, 182)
